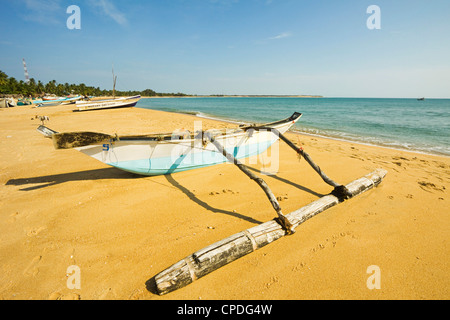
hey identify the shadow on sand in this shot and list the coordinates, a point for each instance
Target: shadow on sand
(54, 179)
(113, 173)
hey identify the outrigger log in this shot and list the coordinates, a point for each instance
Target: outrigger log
(227, 250)
(339, 191)
(217, 255)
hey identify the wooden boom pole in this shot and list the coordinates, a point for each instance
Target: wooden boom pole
(240, 244)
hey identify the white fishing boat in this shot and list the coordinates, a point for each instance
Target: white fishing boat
(121, 102)
(157, 154)
(57, 101)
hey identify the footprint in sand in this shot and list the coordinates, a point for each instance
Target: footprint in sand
(430, 187)
(299, 266)
(108, 294)
(136, 294)
(212, 193)
(400, 158)
(32, 269)
(59, 296)
(272, 281)
(31, 232)
(13, 217)
(332, 240)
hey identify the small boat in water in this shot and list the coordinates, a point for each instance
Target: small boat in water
(158, 154)
(122, 102)
(421, 99)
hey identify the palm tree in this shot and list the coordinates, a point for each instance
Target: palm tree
(40, 87)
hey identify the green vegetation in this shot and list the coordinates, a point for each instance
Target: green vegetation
(10, 86)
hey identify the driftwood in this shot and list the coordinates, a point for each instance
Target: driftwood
(225, 251)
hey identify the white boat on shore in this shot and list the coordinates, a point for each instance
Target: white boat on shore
(57, 101)
(158, 154)
(162, 154)
(121, 102)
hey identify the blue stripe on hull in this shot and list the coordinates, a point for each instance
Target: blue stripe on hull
(167, 165)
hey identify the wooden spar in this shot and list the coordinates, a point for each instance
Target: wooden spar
(273, 200)
(238, 245)
(114, 83)
(339, 189)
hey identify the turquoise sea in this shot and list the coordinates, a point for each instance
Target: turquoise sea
(410, 124)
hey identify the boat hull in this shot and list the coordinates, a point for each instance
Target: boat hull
(107, 104)
(150, 157)
(56, 102)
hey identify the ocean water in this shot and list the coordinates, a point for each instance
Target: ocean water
(421, 126)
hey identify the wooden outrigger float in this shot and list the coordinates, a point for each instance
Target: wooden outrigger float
(147, 155)
(240, 244)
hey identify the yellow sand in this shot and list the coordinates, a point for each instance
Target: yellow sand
(60, 208)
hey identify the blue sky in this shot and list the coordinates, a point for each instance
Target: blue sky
(234, 46)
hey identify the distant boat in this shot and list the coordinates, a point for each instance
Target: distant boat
(7, 103)
(48, 98)
(56, 102)
(24, 102)
(421, 99)
(122, 102)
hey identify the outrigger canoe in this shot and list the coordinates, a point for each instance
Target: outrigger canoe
(170, 153)
(159, 154)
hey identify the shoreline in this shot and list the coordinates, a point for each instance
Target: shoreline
(295, 131)
(60, 208)
(236, 96)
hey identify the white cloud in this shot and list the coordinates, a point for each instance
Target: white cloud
(109, 9)
(281, 36)
(274, 38)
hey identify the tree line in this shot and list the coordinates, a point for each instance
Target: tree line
(10, 86)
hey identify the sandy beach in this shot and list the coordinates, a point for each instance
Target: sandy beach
(60, 208)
